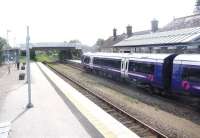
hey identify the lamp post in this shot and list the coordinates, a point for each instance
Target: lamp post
(8, 31)
(29, 105)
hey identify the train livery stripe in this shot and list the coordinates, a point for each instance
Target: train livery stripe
(137, 75)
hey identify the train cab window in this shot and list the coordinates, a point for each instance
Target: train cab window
(145, 68)
(191, 74)
(86, 60)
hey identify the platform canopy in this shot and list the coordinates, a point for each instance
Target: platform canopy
(175, 37)
(52, 45)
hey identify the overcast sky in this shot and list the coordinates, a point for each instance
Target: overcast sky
(86, 20)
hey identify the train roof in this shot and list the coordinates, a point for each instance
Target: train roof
(188, 57)
(128, 55)
(107, 54)
(150, 56)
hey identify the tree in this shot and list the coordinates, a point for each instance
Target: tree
(198, 3)
(75, 41)
(98, 44)
(3, 44)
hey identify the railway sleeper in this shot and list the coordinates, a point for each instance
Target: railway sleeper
(100, 103)
(92, 98)
(149, 135)
(122, 118)
(116, 114)
(110, 111)
(142, 132)
(106, 108)
(134, 126)
(127, 122)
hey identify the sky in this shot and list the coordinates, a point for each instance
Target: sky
(85, 20)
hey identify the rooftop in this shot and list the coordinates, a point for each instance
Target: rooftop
(183, 22)
(167, 37)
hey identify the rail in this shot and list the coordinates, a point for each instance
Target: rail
(134, 124)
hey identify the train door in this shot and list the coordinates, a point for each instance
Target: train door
(126, 67)
(123, 67)
(91, 62)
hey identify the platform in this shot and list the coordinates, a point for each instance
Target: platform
(59, 111)
(102, 121)
(50, 117)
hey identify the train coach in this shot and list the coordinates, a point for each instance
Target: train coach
(161, 72)
(110, 65)
(153, 70)
(186, 74)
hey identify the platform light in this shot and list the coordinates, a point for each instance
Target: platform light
(29, 105)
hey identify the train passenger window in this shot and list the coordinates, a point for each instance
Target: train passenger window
(141, 67)
(191, 74)
(108, 62)
(86, 60)
(113, 63)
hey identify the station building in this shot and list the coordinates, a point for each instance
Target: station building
(176, 41)
(181, 35)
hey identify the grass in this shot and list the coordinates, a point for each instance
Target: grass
(45, 57)
(40, 58)
(22, 59)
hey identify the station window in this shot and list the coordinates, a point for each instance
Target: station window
(141, 67)
(86, 60)
(191, 74)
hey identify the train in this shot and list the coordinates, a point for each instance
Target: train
(163, 73)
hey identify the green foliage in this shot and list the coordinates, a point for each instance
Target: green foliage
(32, 55)
(65, 54)
(22, 59)
(1, 57)
(198, 3)
(3, 44)
(46, 58)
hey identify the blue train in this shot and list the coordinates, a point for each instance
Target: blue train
(168, 73)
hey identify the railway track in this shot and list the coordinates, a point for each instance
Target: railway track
(135, 125)
(190, 103)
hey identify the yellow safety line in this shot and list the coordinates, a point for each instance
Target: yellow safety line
(92, 119)
(98, 124)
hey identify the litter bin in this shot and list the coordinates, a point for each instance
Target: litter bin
(21, 76)
(22, 67)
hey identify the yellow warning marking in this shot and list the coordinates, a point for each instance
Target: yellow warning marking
(98, 124)
(83, 108)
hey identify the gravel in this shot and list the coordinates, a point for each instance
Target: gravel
(169, 118)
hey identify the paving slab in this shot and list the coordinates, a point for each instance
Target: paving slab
(50, 116)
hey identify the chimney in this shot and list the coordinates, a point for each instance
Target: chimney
(197, 7)
(115, 33)
(129, 30)
(154, 25)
